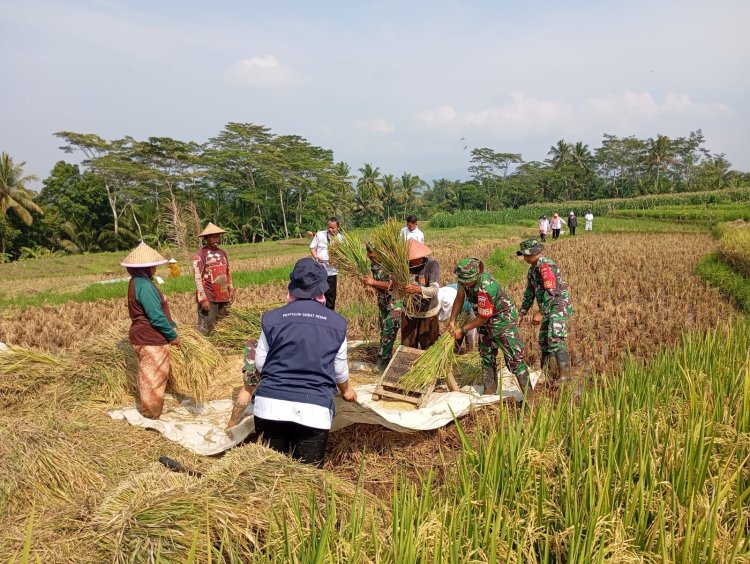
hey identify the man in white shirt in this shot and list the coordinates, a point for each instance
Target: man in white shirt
(589, 217)
(411, 231)
(319, 251)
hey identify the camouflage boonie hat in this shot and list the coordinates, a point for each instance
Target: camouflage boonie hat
(468, 269)
(530, 247)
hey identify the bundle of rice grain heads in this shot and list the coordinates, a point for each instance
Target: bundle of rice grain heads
(241, 324)
(349, 255)
(247, 503)
(109, 363)
(392, 252)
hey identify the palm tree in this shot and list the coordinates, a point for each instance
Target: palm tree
(581, 156)
(561, 154)
(660, 153)
(410, 184)
(14, 195)
(369, 184)
(390, 195)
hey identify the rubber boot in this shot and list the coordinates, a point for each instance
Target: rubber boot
(563, 363)
(524, 383)
(490, 381)
(381, 364)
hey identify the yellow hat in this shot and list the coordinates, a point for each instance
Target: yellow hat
(211, 229)
(143, 256)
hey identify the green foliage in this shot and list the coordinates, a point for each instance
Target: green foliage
(707, 213)
(505, 266)
(733, 283)
(734, 248)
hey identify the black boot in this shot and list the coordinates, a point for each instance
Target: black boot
(490, 381)
(524, 383)
(563, 363)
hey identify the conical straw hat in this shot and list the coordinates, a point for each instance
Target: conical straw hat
(211, 229)
(417, 249)
(143, 256)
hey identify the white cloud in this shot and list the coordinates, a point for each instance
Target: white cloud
(265, 71)
(378, 125)
(524, 115)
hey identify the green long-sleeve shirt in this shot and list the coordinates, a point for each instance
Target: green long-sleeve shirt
(154, 307)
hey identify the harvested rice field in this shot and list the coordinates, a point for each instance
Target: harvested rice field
(650, 463)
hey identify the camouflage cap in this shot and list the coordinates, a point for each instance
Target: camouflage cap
(530, 247)
(468, 269)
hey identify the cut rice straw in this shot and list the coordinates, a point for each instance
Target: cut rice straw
(392, 254)
(349, 256)
(22, 369)
(240, 324)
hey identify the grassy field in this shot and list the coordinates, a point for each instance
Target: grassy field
(649, 464)
(709, 213)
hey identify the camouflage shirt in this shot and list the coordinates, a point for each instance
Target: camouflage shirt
(545, 284)
(385, 297)
(489, 300)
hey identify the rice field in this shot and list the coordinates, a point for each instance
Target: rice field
(651, 463)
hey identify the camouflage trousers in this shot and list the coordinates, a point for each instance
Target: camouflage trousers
(390, 324)
(554, 330)
(504, 337)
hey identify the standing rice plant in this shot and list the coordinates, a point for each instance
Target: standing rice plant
(392, 254)
(349, 256)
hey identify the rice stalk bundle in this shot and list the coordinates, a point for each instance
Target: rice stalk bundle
(436, 363)
(245, 499)
(392, 254)
(349, 255)
(241, 324)
(110, 364)
(467, 369)
(22, 370)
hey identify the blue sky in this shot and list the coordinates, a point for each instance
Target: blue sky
(395, 84)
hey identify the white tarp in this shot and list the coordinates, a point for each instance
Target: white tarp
(201, 428)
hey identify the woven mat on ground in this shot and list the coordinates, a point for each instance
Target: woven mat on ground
(201, 428)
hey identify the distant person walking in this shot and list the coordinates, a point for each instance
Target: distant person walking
(556, 225)
(213, 281)
(152, 329)
(572, 222)
(589, 217)
(543, 227)
(319, 251)
(411, 230)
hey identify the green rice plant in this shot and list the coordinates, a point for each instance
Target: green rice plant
(392, 254)
(349, 255)
(732, 283)
(734, 248)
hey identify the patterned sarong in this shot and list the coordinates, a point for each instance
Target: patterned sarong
(153, 373)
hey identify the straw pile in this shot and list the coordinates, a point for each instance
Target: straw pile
(392, 254)
(109, 363)
(241, 324)
(23, 370)
(349, 256)
(254, 498)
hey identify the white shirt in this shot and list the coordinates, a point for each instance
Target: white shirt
(307, 414)
(446, 296)
(589, 217)
(543, 225)
(557, 223)
(320, 244)
(417, 234)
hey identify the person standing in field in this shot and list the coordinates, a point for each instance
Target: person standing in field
(389, 311)
(543, 227)
(545, 284)
(496, 322)
(556, 225)
(572, 222)
(420, 328)
(213, 280)
(319, 251)
(301, 356)
(589, 217)
(411, 230)
(152, 330)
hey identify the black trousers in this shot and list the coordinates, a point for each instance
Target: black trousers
(555, 234)
(306, 444)
(572, 229)
(331, 293)
(543, 236)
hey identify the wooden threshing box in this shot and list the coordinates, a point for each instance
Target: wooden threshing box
(388, 386)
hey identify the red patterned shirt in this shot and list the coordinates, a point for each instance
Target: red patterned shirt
(212, 277)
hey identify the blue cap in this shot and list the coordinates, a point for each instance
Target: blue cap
(308, 279)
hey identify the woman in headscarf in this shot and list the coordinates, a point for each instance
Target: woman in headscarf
(152, 329)
(556, 225)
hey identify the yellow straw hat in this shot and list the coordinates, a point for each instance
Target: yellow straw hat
(143, 256)
(211, 229)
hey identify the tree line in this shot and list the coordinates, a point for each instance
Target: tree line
(260, 185)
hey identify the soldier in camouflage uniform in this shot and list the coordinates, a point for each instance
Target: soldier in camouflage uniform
(496, 322)
(389, 312)
(545, 284)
